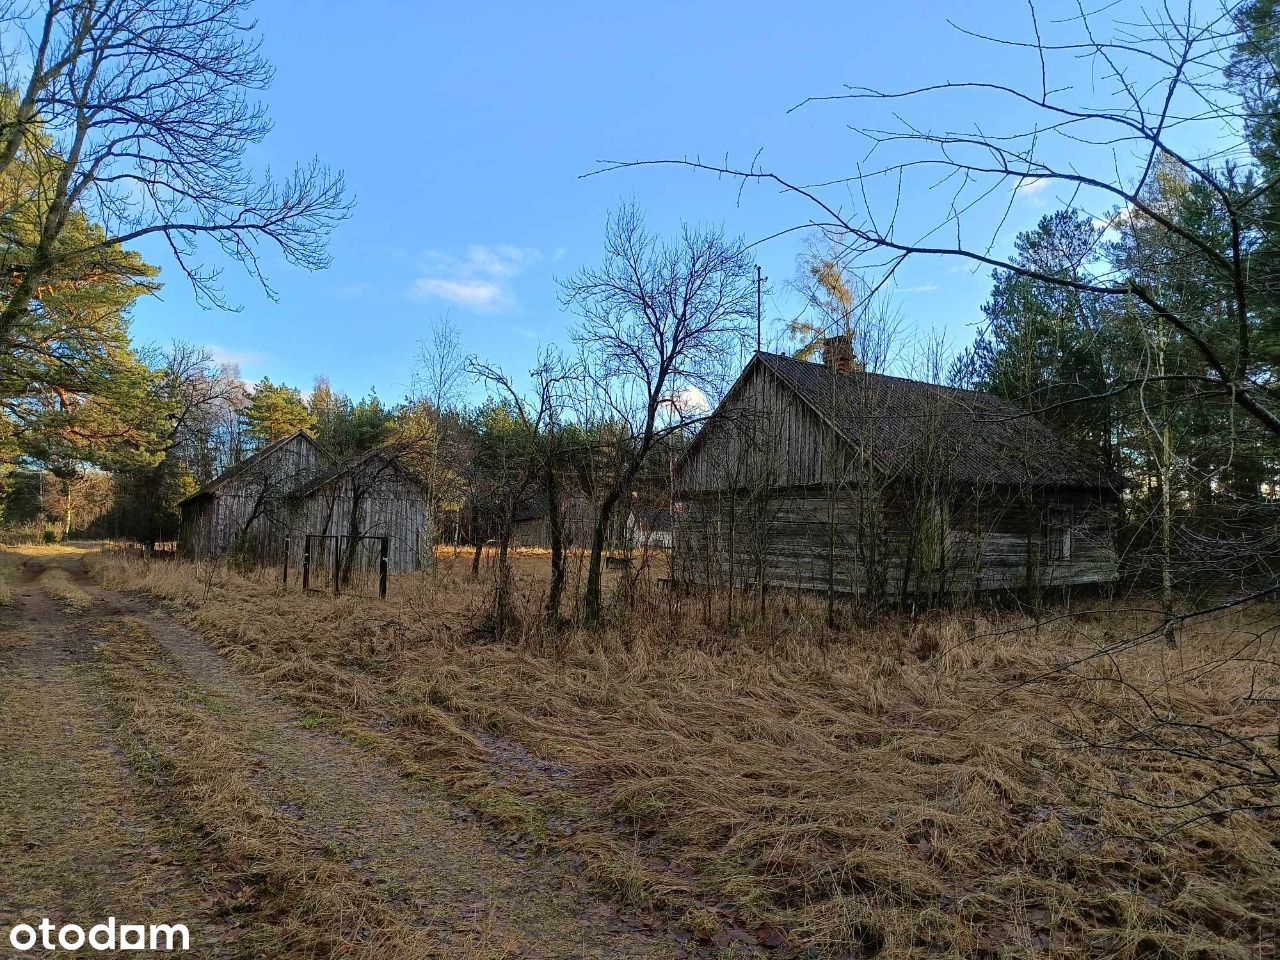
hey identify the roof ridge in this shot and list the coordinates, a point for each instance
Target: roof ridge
(240, 466)
(888, 376)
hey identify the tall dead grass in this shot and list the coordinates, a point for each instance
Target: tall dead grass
(10, 571)
(59, 583)
(969, 784)
(313, 905)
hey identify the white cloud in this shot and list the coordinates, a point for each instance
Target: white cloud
(477, 294)
(478, 280)
(1033, 184)
(235, 358)
(919, 288)
(688, 400)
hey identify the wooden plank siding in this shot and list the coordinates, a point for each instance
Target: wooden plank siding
(801, 539)
(278, 497)
(248, 507)
(762, 435)
(578, 519)
(391, 505)
(770, 491)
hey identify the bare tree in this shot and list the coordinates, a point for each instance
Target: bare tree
(1159, 94)
(138, 114)
(1168, 74)
(540, 414)
(437, 389)
(655, 317)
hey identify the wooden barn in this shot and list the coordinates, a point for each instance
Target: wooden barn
(821, 476)
(247, 507)
(369, 495)
(531, 526)
(649, 527)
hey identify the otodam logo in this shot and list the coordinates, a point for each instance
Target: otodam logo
(110, 935)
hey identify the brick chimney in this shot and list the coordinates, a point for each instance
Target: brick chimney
(837, 354)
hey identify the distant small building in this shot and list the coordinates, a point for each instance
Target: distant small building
(821, 476)
(246, 508)
(649, 527)
(271, 500)
(531, 525)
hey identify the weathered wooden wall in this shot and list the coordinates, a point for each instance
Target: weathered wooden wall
(762, 436)
(391, 504)
(578, 517)
(250, 508)
(810, 540)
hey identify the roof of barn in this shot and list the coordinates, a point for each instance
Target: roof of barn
(350, 465)
(910, 427)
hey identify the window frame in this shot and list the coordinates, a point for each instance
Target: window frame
(1059, 533)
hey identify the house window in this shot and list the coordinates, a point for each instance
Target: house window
(1058, 533)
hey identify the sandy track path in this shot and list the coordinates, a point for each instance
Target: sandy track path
(406, 852)
(75, 843)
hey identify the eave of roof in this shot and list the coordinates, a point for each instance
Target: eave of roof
(343, 467)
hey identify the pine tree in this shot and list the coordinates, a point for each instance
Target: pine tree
(275, 411)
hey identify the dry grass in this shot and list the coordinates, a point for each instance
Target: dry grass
(10, 572)
(57, 581)
(55, 578)
(311, 904)
(941, 787)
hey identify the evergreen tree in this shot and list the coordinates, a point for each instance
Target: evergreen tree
(1050, 348)
(1254, 72)
(275, 411)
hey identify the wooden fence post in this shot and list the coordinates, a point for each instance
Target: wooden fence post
(337, 565)
(306, 562)
(286, 562)
(382, 567)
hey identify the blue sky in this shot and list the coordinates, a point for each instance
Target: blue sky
(464, 129)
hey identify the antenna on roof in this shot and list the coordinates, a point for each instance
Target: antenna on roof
(760, 279)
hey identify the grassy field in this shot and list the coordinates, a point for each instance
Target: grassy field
(965, 784)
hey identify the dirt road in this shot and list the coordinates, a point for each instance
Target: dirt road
(145, 778)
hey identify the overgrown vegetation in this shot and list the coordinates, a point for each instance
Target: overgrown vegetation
(975, 783)
(58, 582)
(311, 904)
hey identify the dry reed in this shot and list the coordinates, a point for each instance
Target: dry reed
(961, 785)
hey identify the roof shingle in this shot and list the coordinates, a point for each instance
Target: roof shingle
(911, 428)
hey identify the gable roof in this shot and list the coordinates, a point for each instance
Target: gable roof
(343, 467)
(910, 427)
(258, 456)
(534, 506)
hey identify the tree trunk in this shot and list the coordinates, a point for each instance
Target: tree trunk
(1166, 499)
(20, 300)
(591, 601)
(502, 583)
(555, 530)
(353, 539)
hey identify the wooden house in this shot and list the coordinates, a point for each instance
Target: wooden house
(531, 526)
(821, 476)
(246, 508)
(649, 527)
(369, 495)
